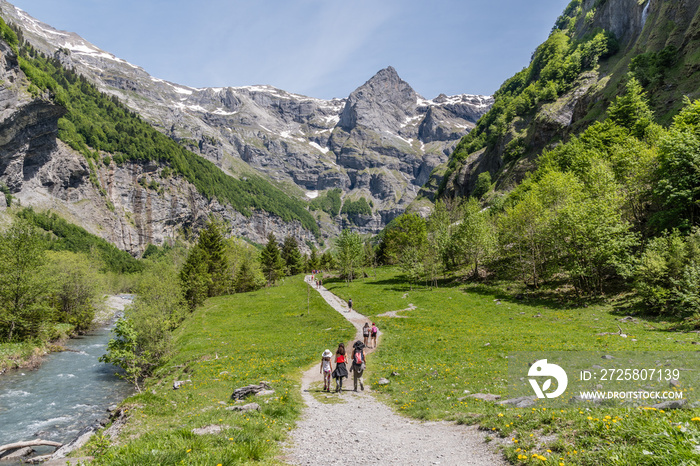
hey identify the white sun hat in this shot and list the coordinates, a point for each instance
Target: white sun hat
(327, 354)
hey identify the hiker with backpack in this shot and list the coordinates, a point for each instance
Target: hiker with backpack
(326, 370)
(340, 369)
(358, 364)
(349, 304)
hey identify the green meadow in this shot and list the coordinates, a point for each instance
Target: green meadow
(458, 338)
(232, 341)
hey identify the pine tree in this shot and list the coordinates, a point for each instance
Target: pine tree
(195, 278)
(327, 261)
(314, 262)
(245, 278)
(211, 242)
(271, 260)
(292, 256)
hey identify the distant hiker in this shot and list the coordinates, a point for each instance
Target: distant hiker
(358, 364)
(349, 304)
(365, 333)
(340, 369)
(374, 335)
(326, 369)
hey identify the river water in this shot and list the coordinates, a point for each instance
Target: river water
(68, 392)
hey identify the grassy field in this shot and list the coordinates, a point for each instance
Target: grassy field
(458, 338)
(232, 341)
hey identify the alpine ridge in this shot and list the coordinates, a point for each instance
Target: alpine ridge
(381, 143)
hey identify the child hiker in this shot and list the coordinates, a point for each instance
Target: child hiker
(340, 369)
(326, 369)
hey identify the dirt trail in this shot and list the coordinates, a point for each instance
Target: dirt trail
(358, 428)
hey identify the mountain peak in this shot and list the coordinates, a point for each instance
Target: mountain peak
(383, 102)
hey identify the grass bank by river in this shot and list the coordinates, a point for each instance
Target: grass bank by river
(232, 341)
(459, 337)
(28, 354)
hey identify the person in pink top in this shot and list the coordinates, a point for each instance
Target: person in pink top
(373, 334)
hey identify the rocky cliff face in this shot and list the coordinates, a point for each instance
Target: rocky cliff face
(382, 142)
(43, 172)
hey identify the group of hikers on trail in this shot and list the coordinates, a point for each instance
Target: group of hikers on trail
(368, 332)
(357, 366)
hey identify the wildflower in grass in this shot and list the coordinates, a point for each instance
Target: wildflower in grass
(697, 419)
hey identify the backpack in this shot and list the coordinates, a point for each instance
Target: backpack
(358, 358)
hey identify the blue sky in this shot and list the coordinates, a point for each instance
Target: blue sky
(319, 48)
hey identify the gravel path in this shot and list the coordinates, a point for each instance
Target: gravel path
(360, 429)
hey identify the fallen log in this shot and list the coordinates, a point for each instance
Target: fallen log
(30, 443)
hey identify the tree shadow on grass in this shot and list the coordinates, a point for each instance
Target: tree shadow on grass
(631, 309)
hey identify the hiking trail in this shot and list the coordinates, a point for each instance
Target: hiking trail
(353, 427)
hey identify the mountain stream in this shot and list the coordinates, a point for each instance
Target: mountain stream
(69, 391)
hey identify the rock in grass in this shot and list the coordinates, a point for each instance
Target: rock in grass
(245, 408)
(520, 402)
(265, 393)
(210, 429)
(485, 396)
(242, 392)
(178, 383)
(383, 381)
(671, 404)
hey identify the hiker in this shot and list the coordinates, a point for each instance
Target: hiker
(358, 364)
(326, 369)
(374, 335)
(365, 333)
(349, 304)
(340, 369)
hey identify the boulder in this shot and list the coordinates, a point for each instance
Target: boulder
(243, 392)
(671, 404)
(520, 402)
(485, 396)
(245, 408)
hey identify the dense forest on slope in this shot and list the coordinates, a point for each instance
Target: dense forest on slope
(615, 208)
(64, 236)
(96, 123)
(572, 79)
